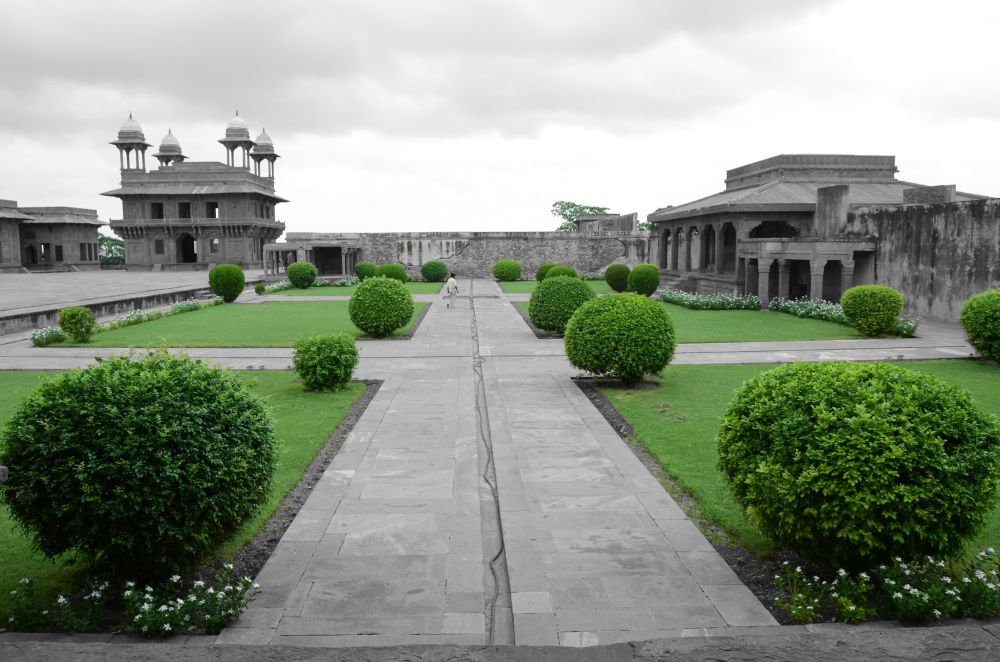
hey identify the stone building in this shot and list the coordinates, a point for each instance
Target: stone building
(780, 227)
(48, 238)
(192, 215)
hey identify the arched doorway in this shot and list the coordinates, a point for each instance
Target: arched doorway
(30, 255)
(185, 249)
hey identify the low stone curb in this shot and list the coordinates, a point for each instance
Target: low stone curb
(962, 641)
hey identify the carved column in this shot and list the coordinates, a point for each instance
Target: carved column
(720, 237)
(816, 267)
(763, 278)
(750, 284)
(784, 276)
(846, 276)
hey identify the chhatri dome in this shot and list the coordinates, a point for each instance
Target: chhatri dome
(130, 125)
(131, 143)
(237, 128)
(169, 140)
(170, 150)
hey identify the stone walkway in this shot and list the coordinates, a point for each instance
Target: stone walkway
(483, 499)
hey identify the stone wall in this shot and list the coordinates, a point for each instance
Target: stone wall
(473, 254)
(937, 256)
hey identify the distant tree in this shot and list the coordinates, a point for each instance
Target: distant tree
(112, 250)
(569, 210)
(646, 226)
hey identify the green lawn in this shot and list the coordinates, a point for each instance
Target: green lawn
(528, 286)
(678, 419)
(271, 324)
(695, 326)
(303, 422)
(415, 288)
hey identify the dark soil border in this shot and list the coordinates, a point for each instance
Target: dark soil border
(544, 335)
(758, 574)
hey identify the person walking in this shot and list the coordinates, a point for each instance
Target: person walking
(452, 289)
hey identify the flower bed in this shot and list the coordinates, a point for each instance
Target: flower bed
(819, 309)
(712, 302)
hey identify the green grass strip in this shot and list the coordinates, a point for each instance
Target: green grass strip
(417, 287)
(271, 324)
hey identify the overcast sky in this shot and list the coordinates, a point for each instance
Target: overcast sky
(414, 115)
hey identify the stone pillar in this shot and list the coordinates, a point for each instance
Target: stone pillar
(695, 251)
(816, 267)
(343, 263)
(763, 280)
(784, 275)
(720, 237)
(750, 284)
(846, 275)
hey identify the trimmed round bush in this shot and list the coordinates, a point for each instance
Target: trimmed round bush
(872, 309)
(78, 323)
(644, 279)
(434, 271)
(259, 288)
(325, 362)
(616, 276)
(142, 465)
(543, 271)
(625, 336)
(555, 300)
(560, 270)
(507, 270)
(365, 270)
(380, 305)
(394, 271)
(302, 274)
(852, 464)
(980, 318)
(227, 281)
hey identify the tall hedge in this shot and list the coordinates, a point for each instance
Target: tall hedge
(434, 271)
(555, 300)
(226, 281)
(380, 305)
(543, 270)
(980, 317)
(142, 465)
(302, 274)
(616, 276)
(852, 464)
(391, 270)
(644, 279)
(625, 336)
(872, 309)
(507, 270)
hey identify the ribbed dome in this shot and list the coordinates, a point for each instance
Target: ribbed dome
(169, 139)
(130, 125)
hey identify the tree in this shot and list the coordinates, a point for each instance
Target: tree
(569, 210)
(646, 226)
(112, 250)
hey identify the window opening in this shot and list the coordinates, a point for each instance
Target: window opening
(158, 247)
(59, 254)
(156, 210)
(184, 210)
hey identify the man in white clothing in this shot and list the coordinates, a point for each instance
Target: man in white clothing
(452, 289)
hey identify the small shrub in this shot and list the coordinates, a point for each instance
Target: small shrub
(325, 362)
(380, 305)
(872, 309)
(806, 308)
(259, 288)
(560, 270)
(555, 300)
(434, 271)
(851, 464)
(625, 336)
(140, 465)
(280, 286)
(644, 279)
(712, 302)
(322, 282)
(227, 281)
(394, 271)
(543, 271)
(980, 318)
(616, 277)
(919, 592)
(507, 270)
(595, 275)
(47, 336)
(78, 323)
(302, 274)
(350, 281)
(365, 270)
